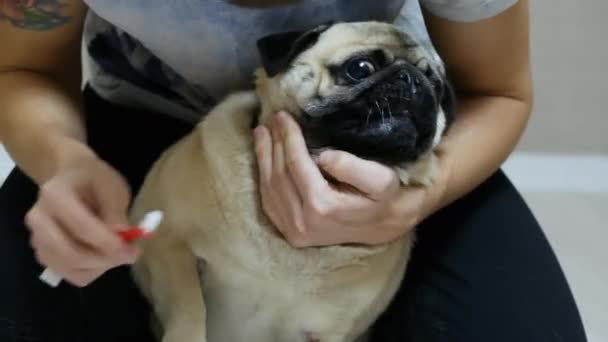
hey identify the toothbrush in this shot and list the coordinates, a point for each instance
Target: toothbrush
(145, 229)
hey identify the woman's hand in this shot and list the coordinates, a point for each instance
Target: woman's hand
(73, 223)
(365, 204)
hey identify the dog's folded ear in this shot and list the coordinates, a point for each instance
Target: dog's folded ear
(277, 51)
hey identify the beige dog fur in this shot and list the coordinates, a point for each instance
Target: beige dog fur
(216, 270)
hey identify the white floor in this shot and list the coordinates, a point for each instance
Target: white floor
(569, 195)
(570, 198)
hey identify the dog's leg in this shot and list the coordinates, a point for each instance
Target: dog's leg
(421, 173)
(167, 273)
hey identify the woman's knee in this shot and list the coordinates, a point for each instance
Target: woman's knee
(483, 270)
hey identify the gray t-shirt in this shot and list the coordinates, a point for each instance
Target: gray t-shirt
(180, 57)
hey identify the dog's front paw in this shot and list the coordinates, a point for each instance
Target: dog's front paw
(422, 172)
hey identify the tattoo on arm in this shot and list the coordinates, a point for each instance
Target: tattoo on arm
(37, 15)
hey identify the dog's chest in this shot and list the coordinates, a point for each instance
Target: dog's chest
(246, 307)
(257, 294)
(256, 287)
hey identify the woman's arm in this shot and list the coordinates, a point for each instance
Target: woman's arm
(40, 73)
(81, 198)
(489, 64)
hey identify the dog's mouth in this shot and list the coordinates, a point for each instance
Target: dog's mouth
(392, 121)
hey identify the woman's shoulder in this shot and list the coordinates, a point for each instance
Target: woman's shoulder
(467, 10)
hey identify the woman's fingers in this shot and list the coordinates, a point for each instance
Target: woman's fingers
(57, 250)
(72, 222)
(279, 199)
(304, 206)
(373, 179)
(78, 221)
(83, 278)
(263, 152)
(305, 173)
(288, 198)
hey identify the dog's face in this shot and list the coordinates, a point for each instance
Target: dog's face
(366, 88)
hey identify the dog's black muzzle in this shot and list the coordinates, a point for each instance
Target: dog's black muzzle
(393, 120)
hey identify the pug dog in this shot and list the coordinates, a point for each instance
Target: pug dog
(216, 269)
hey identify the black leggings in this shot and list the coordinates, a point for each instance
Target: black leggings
(481, 271)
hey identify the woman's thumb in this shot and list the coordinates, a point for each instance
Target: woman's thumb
(369, 177)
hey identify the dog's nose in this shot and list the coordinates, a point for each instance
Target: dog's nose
(411, 82)
(406, 77)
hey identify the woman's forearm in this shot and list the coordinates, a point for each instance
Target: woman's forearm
(40, 73)
(485, 132)
(40, 122)
(489, 60)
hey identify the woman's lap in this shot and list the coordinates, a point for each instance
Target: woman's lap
(481, 270)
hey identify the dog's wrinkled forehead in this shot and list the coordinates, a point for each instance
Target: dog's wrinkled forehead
(341, 41)
(334, 44)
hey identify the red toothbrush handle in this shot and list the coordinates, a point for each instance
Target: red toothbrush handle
(133, 234)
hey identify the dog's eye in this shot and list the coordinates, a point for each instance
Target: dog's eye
(360, 68)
